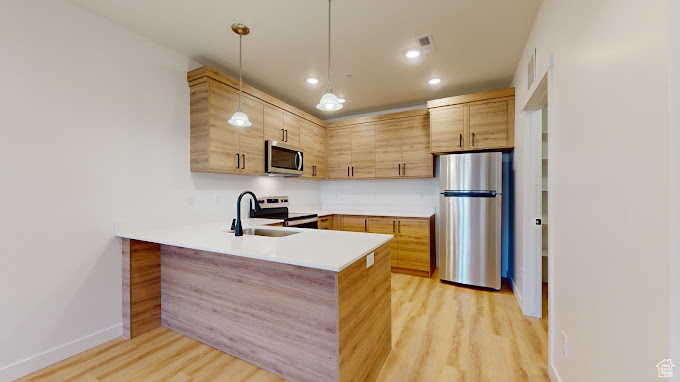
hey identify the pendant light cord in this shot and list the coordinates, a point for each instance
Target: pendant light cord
(240, 78)
(329, 46)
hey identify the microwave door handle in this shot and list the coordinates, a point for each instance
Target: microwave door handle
(298, 162)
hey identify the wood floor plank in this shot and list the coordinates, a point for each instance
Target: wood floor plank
(440, 332)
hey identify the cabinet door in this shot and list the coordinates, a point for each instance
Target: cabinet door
(447, 129)
(251, 139)
(417, 157)
(339, 152)
(224, 138)
(307, 146)
(489, 125)
(388, 149)
(355, 223)
(320, 151)
(414, 243)
(363, 152)
(388, 226)
(273, 124)
(291, 126)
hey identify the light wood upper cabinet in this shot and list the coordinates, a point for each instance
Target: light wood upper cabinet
(238, 150)
(415, 149)
(388, 150)
(478, 121)
(363, 152)
(313, 143)
(447, 129)
(217, 146)
(339, 153)
(291, 129)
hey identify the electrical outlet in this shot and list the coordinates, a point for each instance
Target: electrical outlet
(370, 259)
(420, 195)
(564, 344)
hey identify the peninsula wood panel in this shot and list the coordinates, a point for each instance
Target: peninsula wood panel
(355, 223)
(447, 129)
(489, 125)
(386, 225)
(364, 317)
(280, 317)
(141, 287)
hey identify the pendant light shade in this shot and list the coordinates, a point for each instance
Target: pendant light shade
(329, 101)
(240, 119)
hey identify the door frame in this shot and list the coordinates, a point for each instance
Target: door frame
(532, 302)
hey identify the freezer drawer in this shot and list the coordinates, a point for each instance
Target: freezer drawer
(470, 240)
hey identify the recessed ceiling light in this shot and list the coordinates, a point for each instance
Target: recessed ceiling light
(434, 81)
(412, 53)
(312, 81)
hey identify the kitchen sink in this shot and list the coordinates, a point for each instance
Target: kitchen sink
(267, 232)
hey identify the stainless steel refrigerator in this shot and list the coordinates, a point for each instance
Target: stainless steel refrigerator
(470, 204)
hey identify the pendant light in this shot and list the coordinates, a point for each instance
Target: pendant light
(329, 101)
(240, 119)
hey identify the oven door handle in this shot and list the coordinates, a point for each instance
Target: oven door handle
(293, 223)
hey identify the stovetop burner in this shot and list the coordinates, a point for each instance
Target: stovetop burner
(276, 207)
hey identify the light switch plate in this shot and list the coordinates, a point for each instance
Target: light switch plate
(370, 259)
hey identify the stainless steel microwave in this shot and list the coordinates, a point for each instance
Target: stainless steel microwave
(282, 160)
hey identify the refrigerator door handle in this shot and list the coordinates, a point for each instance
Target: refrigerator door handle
(471, 194)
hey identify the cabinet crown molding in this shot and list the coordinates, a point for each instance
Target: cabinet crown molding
(467, 98)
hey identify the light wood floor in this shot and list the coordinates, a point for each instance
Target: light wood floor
(440, 332)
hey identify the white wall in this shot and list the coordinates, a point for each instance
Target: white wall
(610, 176)
(94, 129)
(674, 106)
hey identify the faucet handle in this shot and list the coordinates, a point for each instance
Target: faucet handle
(233, 224)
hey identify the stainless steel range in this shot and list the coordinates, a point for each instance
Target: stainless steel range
(276, 207)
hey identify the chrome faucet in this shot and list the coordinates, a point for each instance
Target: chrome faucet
(238, 226)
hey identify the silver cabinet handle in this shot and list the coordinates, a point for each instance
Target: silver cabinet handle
(244, 161)
(238, 160)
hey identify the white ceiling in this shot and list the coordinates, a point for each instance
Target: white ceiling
(478, 44)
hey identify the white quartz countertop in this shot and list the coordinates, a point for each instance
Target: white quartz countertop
(406, 214)
(321, 249)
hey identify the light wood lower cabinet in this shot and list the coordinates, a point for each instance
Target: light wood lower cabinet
(413, 246)
(326, 222)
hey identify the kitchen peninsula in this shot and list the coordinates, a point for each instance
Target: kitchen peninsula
(311, 306)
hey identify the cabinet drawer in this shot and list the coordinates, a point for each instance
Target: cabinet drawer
(355, 223)
(326, 222)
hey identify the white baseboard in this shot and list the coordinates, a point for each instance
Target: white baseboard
(552, 373)
(60, 353)
(518, 294)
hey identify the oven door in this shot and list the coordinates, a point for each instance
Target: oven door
(283, 160)
(303, 223)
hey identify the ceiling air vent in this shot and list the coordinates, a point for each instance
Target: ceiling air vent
(426, 44)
